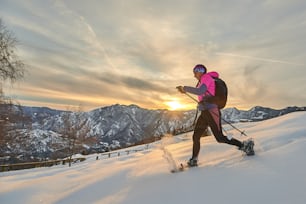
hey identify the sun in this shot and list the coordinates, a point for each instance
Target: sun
(174, 105)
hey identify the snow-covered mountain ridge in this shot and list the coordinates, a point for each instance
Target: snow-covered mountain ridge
(110, 127)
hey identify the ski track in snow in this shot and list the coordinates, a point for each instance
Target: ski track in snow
(276, 174)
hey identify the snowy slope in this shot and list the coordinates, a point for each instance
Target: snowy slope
(277, 174)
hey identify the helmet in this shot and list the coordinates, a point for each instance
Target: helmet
(200, 68)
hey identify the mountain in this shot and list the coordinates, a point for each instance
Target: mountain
(256, 113)
(104, 129)
(43, 135)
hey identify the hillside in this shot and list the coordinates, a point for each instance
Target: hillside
(41, 137)
(275, 175)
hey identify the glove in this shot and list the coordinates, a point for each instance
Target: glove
(181, 89)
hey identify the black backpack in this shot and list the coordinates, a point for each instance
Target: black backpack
(220, 96)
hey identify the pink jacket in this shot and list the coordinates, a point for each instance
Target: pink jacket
(209, 83)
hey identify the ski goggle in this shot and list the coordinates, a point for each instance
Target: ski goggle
(200, 69)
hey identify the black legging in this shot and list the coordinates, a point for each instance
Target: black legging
(211, 118)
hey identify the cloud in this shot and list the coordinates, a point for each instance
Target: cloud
(106, 52)
(260, 59)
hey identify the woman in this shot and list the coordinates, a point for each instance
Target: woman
(210, 114)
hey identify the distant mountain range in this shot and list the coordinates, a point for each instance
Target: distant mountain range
(106, 128)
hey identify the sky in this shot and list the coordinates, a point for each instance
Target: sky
(275, 175)
(97, 53)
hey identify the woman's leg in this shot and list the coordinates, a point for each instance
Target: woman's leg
(214, 122)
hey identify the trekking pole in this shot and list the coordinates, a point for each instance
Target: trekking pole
(241, 132)
(191, 97)
(195, 118)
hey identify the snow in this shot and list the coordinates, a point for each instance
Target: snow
(276, 174)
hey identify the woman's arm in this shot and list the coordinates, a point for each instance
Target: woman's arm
(197, 91)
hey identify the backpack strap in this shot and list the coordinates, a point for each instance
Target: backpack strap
(213, 78)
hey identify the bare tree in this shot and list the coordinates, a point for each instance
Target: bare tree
(73, 130)
(11, 68)
(4, 117)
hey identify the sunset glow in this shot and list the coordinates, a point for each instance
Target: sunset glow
(174, 105)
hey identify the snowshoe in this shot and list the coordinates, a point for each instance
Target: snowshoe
(248, 147)
(192, 162)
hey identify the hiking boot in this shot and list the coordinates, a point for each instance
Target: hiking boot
(192, 162)
(248, 147)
